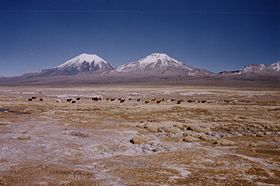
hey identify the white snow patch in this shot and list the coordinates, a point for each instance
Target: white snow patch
(276, 66)
(182, 171)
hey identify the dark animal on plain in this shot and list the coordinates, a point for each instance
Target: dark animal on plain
(172, 100)
(158, 101)
(78, 99)
(203, 101)
(138, 99)
(227, 101)
(163, 100)
(119, 99)
(147, 101)
(30, 99)
(180, 101)
(69, 100)
(112, 99)
(189, 101)
(41, 99)
(198, 101)
(73, 102)
(95, 99)
(107, 99)
(33, 97)
(129, 99)
(122, 100)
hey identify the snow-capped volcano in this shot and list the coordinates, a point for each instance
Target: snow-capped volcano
(85, 63)
(159, 62)
(151, 62)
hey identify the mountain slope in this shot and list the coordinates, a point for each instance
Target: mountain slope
(159, 63)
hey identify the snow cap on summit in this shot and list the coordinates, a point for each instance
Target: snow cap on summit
(80, 59)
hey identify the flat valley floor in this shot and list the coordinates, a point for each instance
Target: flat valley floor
(214, 135)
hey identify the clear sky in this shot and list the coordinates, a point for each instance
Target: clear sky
(212, 34)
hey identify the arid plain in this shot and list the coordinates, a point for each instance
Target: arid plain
(157, 135)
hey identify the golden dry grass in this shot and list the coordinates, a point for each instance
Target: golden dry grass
(233, 139)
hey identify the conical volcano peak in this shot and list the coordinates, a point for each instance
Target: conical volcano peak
(85, 63)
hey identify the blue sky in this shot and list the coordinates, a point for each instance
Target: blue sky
(212, 34)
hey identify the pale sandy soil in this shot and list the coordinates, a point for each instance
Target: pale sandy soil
(232, 139)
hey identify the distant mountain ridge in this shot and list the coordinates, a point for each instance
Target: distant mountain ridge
(255, 68)
(90, 68)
